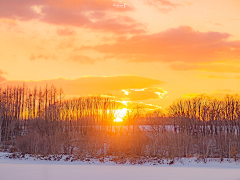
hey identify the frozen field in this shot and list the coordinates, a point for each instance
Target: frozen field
(14, 169)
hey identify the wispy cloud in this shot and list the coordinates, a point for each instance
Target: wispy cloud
(214, 23)
(164, 6)
(65, 32)
(34, 57)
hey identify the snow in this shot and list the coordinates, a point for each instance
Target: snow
(188, 169)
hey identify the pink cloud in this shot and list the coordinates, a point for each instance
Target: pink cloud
(71, 13)
(86, 5)
(22, 10)
(181, 44)
(120, 24)
(64, 17)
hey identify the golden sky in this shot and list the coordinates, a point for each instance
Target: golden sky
(151, 51)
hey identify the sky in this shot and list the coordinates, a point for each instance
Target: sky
(149, 52)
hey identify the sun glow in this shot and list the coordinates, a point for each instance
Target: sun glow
(161, 94)
(125, 102)
(119, 114)
(125, 92)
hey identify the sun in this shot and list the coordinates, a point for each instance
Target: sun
(119, 114)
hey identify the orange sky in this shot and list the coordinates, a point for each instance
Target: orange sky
(172, 47)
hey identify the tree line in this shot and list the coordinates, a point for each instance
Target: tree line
(42, 121)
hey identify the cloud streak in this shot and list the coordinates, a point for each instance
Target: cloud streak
(144, 94)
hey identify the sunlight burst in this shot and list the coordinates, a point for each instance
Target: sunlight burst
(125, 92)
(125, 102)
(119, 114)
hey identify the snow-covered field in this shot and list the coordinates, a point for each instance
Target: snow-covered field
(32, 169)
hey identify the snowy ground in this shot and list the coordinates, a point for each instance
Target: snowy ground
(32, 169)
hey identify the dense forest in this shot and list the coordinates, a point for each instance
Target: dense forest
(41, 121)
